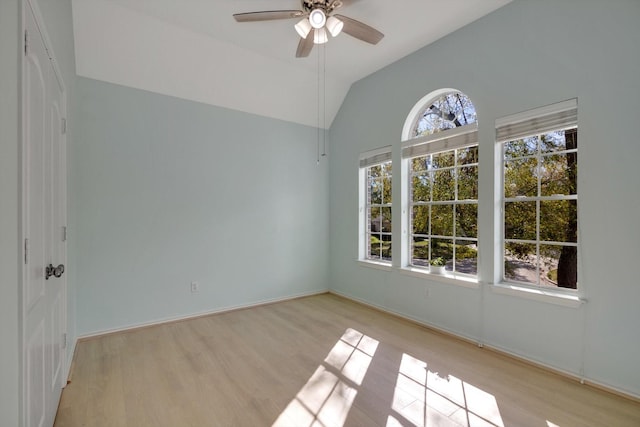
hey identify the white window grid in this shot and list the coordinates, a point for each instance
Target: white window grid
(385, 177)
(538, 199)
(454, 238)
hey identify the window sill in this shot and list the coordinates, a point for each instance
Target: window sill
(375, 264)
(444, 278)
(545, 295)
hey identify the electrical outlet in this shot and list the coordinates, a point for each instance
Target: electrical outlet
(195, 286)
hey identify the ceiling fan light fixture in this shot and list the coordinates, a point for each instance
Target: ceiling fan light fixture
(317, 18)
(334, 25)
(320, 36)
(303, 28)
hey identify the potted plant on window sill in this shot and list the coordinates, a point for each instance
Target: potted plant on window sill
(436, 265)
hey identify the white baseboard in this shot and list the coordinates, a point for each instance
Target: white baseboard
(420, 322)
(200, 314)
(498, 349)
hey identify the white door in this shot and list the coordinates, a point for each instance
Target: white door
(44, 166)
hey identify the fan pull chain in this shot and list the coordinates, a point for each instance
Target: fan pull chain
(324, 100)
(318, 114)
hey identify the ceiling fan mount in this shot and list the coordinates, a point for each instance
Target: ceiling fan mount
(317, 19)
(326, 6)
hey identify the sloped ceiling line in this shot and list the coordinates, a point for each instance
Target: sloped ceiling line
(193, 49)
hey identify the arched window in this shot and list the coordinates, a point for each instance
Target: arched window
(448, 111)
(440, 151)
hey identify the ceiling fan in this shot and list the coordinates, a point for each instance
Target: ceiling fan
(316, 19)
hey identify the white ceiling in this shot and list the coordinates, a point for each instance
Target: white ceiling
(194, 49)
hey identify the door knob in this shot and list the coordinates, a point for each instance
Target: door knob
(54, 271)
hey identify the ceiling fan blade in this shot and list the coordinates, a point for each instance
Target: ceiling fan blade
(346, 3)
(305, 46)
(267, 15)
(359, 30)
(338, 4)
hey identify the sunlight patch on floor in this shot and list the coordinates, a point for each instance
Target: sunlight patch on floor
(352, 355)
(326, 399)
(424, 398)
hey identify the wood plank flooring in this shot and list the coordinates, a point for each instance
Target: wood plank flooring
(317, 361)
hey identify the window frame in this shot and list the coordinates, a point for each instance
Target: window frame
(367, 160)
(440, 141)
(552, 118)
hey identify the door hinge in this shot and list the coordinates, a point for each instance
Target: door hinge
(63, 126)
(64, 233)
(26, 251)
(26, 42)
(64, 340)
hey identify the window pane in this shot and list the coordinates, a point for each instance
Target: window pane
(385, 247)
(375, 189)
(520, 220)
(420, 254)
(375, 171)
(467, 220)
(386, 190)
(462, 108)
(375, 248)
(421, 187)
(420, 164)
(386, 219)
(442, 220)
(549, 256)
(421, 220)
(375, 220)
(468, 183)
(467, 258)
(561, 266)
(468, 155)
(448, 111)
(443, 248)
(558, 141)
(444, 160)
(558, 174)
(521, 178)
(558, 221)
(520, 262)
(443, 185)
(521, 147)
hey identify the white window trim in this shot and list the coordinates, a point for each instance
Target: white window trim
(445, 140)
(366, 160)
(525, 125)
(537, 293)
(559, 116)
(422, 273)
(378, 265)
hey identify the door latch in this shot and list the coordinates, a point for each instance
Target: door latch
(53, 271)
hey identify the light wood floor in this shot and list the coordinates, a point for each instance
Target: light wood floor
(321, 361)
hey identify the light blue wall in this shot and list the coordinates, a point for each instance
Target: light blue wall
(169, 191)
(9, 214)
(525, 55)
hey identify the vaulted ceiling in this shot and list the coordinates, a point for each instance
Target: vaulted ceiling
(194, 49)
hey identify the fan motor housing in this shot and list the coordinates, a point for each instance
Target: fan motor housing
(325, 5)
